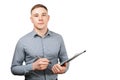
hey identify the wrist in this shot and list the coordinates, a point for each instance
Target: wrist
(33, 67)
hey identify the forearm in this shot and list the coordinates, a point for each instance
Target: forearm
(21, 70)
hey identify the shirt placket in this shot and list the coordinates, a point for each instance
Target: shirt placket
(43, 51)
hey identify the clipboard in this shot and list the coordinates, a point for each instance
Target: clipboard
(66, 61)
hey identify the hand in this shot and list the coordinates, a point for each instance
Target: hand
(58, 69)
(40, 64)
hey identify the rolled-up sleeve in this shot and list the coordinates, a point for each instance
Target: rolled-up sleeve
(17, 67)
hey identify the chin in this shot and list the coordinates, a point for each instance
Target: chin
(40, 28)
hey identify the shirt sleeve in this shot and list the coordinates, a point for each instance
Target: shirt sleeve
(63, 53)
(17, 67)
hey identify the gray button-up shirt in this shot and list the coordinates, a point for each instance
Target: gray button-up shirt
(31, 46)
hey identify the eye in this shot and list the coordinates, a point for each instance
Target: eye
(35, 15)
(44, 14)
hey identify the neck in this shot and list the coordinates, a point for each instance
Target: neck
(41, 32)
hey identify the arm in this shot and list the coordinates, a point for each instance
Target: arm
(57, 68)
(17, 67)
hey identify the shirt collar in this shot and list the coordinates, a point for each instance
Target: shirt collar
(34, 34)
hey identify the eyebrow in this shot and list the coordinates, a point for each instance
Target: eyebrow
(38, 13)
(44, 13)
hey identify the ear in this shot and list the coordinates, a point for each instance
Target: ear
(48, 17)
(31, 19)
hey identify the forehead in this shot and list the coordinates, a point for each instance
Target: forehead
(39, 10)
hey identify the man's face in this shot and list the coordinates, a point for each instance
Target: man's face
(40, 18)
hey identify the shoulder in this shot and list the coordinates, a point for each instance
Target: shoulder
(54, 34)
(25, 38)
(57, 36)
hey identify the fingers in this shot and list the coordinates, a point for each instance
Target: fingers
(40, 64)
(42, 67)
(57, 69)
(43, 61)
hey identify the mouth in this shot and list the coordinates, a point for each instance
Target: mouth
(40, 23)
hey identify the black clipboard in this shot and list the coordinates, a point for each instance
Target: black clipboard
(66, 61)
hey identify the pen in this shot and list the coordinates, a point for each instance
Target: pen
(42, 57)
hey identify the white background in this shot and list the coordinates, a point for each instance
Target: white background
(91, 25)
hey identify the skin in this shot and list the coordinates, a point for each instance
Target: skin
(39, 18)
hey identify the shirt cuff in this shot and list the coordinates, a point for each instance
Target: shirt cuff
(28, 68)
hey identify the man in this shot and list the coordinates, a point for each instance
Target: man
(41, 50)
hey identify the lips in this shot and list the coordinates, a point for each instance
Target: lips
(40, 23)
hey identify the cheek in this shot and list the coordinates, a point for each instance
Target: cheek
(34, 21)
(46, 20)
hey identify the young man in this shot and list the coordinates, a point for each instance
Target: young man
(41, 50)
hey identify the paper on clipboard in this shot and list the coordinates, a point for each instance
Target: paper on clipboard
(66, 61)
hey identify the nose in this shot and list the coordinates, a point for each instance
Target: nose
(40, 18)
